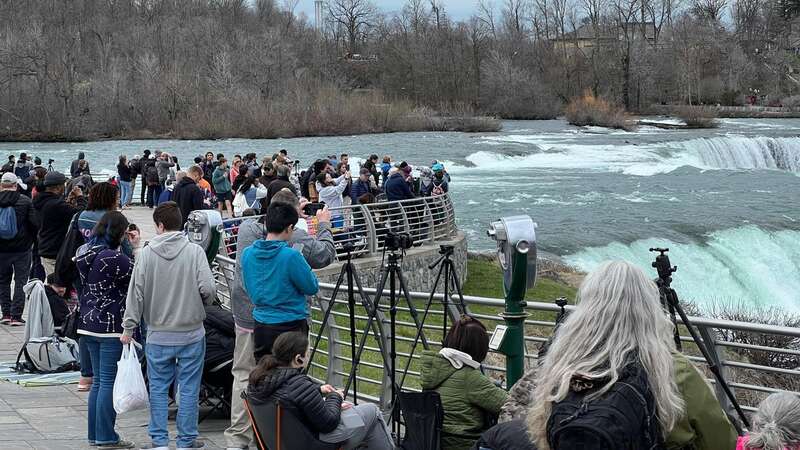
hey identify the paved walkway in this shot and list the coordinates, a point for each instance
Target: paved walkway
(54, 417)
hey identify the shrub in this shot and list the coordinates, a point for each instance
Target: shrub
(591, 110)
(698, 117)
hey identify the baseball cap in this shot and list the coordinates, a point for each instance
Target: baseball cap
(54, 179)
(9, 178)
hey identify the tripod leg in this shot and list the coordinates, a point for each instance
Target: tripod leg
(411, 309)
(712, 366)
(372, 313)
(419, 330)
(351, 306)
(325, 319)
(457, 282)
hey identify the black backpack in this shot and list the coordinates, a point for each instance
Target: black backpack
(624, 418)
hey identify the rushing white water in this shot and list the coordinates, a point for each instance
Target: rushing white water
(745, 264)
(720, 152)
(740, 152)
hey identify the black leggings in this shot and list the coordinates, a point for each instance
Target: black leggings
(264, 335)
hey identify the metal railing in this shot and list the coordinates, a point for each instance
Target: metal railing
(751, 362)
(426, 219)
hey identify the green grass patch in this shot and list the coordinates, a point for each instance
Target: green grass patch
(485, 279)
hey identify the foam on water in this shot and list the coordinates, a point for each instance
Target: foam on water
(721, 152)
(745, 264)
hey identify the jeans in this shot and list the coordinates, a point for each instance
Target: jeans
(85, 357)
(182, 364)
(375, 435)
(125, 193)
(18, 267)
(104, 352)
(239, 434)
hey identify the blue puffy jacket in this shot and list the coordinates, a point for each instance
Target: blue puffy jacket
(396, 188)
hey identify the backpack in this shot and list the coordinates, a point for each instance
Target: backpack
(623, 418)
(151, 175)
(48, 355)
(8, 222)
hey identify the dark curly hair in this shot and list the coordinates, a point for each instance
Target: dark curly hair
(103, 197)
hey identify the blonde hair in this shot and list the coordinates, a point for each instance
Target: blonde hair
(619, 317)
(776, 424)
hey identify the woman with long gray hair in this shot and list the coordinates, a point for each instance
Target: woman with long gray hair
(776, 424)
(619, 324)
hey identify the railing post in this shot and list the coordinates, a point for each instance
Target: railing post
(429, 216)
(406, 226)
(372, 232)
(334, 363)
(717, 354)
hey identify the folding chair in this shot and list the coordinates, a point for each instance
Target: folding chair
(423, 417)
(217, 384)
(278, 428)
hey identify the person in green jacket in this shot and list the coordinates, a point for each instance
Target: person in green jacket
(468, 396)
(222, 186)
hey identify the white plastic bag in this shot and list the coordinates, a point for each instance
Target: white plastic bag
(130, 392)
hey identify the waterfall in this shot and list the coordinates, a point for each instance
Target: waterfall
(740, 152)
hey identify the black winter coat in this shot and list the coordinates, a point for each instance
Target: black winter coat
(188, 196)
(298, 392)
(506, 436)
(26, 222)
(54, 215)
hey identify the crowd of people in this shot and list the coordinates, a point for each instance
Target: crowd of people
(611, 362)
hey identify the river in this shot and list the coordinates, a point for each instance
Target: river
(724, 200)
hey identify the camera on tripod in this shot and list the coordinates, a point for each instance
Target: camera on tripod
(663, 266)
(398, 241)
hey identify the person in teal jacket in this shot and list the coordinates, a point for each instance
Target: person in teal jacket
(277, 279)
(222, 186)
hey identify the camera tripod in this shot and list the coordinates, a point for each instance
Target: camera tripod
(392, 273)
(447, 269)
(669, 299)
(349, 271)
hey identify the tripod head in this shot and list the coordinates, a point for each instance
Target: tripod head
(348, 248)
(446, 250)
(663, 266)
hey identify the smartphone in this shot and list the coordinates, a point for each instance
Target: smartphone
(312, 208)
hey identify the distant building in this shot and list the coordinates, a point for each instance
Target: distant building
(588, 36)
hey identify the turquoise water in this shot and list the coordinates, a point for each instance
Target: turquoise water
(724, 200)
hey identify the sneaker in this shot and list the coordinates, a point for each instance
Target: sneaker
(6, 320)
(120, 444)
(17, 322)
(196, 444)
(152, 447)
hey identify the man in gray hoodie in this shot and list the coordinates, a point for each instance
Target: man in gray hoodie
(318, 251)
(170, 284)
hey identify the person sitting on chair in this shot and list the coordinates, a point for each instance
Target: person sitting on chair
(468, 396)
(279, 377)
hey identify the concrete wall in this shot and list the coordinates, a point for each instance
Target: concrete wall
(415, 267)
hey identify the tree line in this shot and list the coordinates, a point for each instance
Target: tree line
(256, 68)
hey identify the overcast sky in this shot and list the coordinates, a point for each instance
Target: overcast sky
(457, 9)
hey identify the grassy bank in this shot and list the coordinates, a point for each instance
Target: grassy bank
(486, 280)
(325, 112)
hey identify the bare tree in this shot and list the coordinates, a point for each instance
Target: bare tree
(355, 16)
